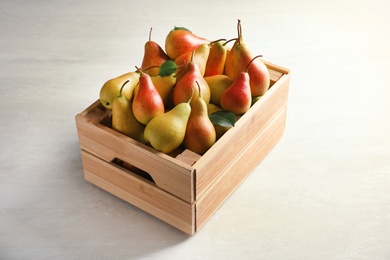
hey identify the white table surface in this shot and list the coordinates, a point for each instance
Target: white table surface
(322, 193)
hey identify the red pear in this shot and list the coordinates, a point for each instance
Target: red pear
(186, 86)
(238, 58)
(147, 102)
(237, 97)
(181, 40)
(153, 57)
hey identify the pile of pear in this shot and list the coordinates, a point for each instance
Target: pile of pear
(172, 109)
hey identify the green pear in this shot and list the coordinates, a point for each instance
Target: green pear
(111, 87)
(166, 132)
(123, 119)
(200, 133)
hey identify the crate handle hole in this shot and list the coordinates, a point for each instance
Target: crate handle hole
(133, 169)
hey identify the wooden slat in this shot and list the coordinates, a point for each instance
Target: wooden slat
(275, 67)
(226, 149)
(239, 169)
(188, 157)
(169, 174)
(140, 193)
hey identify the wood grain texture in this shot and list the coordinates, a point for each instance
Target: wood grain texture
(240, 168)
(237, 138)
(108, 144)
(139, 193)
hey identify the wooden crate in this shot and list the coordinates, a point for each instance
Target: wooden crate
(183, 189)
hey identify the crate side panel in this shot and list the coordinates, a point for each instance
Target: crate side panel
(139, 193)
(210, 166)
(169, 174)
(231, 177)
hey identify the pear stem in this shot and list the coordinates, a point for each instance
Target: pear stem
(233, 39)
(180, 70)
(150, 34)
(151, 67)
(192, 56)
(217, 41)
(200, 93)
(120, 91)
(239, 31)
(258, 56)
(139, 70)
(192, 93)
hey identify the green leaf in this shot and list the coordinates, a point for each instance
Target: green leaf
(180, 28)
(167, 68)
(223, 118)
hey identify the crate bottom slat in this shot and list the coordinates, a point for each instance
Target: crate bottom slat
(140, 193)
(237, 172)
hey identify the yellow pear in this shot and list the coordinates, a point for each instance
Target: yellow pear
(211, 108)
(217, 84)
(221, 130)
(111, 87)
(166, 132)
(200, 56)
(164, 86)
(123, 119)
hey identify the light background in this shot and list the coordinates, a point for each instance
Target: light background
(322, 193)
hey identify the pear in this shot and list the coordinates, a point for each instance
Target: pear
(211, 108)
(217, 84)
(200, 133)
(229, 61)
(221, 130)
(216, 60)
(239, 56)
(147, 102)
(123, 119)
(186, 86)
(180, 40)
(255, 99)
(200, 56)
(111, 87)
(166, 132)
(164, 86)
(237, 97)
(153, 57)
